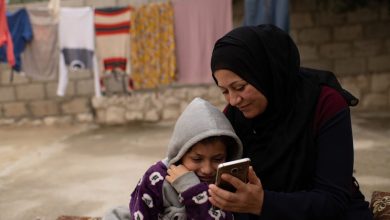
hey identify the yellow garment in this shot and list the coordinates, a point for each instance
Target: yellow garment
(153, 60)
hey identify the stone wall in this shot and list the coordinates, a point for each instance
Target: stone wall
(152, 106)
(24, 100)
(27, 101)
(355, 45)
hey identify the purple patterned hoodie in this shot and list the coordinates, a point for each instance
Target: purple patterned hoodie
(186, 197)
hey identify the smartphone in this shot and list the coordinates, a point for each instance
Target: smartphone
(238, 168)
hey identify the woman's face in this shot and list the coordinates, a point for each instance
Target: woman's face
(203, 159)
(239, 93)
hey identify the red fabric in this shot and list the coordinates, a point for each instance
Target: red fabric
(329, 103)
(109, 29)
(109, 13)
(5, 36)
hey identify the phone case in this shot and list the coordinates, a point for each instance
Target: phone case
(238, 168)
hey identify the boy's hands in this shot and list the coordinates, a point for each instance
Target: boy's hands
(175, 172)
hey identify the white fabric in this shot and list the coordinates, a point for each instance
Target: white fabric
(76, 31)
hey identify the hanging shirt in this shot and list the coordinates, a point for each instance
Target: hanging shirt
(77, 45)
(40, 58)
(153, 58)
(113, 25)
(267, 12)
(21, 32)
(5, 36)
(198, 24)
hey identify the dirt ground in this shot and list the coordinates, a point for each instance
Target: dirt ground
(85, 170)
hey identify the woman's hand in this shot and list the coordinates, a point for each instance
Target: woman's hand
(175, 172)
(247, 199)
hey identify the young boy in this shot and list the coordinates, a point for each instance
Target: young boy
(176, 187)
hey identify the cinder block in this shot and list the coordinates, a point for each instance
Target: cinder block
(15, 109)
(7, 93)
(348, 32)
(51, 90)
(349, 66)
(30, 91)
(375, 101)
(323, 64)
(379, 63)
(85, 87)
(77, 105)
(327, 18)
(14, 79)
(80, 74)
(362, 15)
(308, 52)
(315, 35)
(44, 108)
(380, 83)
(301, 20)
(303, 5)
(367, 48)
(377, 30)
(336, 50)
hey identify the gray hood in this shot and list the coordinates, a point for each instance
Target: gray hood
(198, 121)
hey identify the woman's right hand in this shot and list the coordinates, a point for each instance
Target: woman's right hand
(248, 197)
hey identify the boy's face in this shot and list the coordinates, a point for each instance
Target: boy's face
(203, 159)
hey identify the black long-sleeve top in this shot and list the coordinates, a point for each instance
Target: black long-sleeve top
(333, 194)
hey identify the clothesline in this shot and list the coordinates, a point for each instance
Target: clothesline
(157, 43)
(172, 51)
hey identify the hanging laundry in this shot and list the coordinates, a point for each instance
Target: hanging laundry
(267, 12)
(40, 58)
(198, 24)
(153, 58)
(5, 36)
(54, 8)
(112, 26)
(21, 32)
(77, 45)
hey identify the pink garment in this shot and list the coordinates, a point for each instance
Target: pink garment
(198, 24)
(5, 36)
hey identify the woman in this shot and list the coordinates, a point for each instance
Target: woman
(295, 126)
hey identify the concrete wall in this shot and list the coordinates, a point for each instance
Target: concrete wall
(355, 45)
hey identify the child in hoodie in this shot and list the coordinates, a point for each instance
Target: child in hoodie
(176, 187)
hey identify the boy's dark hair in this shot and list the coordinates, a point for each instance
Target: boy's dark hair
(229, 142)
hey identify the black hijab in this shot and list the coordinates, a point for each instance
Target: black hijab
(280, 142)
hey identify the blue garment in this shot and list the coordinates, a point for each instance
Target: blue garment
(267, 12)
(21, 32)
